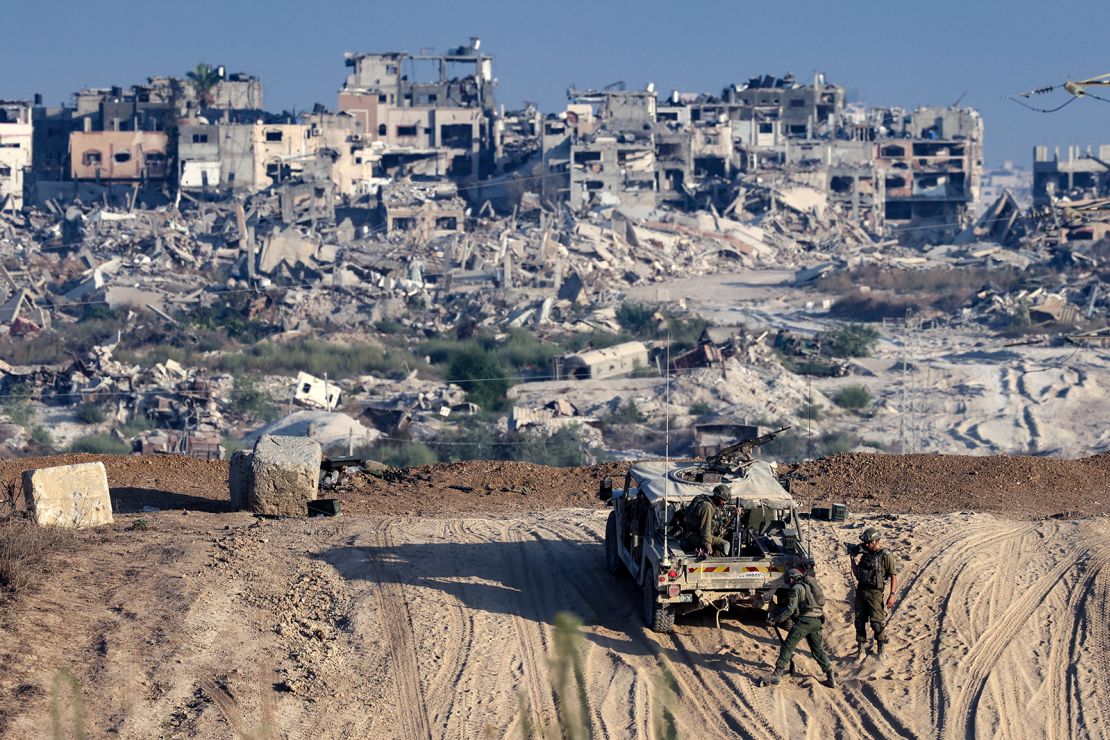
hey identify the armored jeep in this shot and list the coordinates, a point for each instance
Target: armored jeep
(645, 537)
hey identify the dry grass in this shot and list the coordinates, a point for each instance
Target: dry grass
(24, 549)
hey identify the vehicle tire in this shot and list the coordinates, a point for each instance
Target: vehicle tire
(658, 617)
(613, 562)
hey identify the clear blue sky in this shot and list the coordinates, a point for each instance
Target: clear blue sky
(889, 53)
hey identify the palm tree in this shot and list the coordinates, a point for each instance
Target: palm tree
(204, 79)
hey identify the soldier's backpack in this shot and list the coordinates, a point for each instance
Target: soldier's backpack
(813, 597)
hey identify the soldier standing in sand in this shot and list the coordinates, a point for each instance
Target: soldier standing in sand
(873, 571)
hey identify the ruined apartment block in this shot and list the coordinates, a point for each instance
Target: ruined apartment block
(915, 173)
(1079, 175)
(440, 124)
(110, 156)
(16, 151)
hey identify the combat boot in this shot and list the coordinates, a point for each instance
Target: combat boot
(775, 678)
(879, 648)
(830, 679)
(861, 650)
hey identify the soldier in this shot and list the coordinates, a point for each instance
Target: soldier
(701, 516)
(805, 605)
(873, 571)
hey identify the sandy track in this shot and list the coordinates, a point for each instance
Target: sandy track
(421, 627)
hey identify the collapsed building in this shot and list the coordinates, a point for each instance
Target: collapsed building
(916, 172)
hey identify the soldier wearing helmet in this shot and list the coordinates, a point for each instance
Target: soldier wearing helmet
(805, 605)
(702, 517)
(873, 571)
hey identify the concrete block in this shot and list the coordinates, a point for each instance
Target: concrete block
(284, 475)
(69, 495)
(239, 478)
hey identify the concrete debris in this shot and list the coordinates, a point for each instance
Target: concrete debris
(328, 429)
(284, 475)
(69, 495)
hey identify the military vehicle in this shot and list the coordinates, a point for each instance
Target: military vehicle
(645, 534)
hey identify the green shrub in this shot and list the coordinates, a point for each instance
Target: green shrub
(231, 322)
(18, 411)
(563, 449)
(248, 400)
(399, 454)
(139, 423)
(700, 408)
(42, 436)
(637, 319)
(849, 340)
(90, 413)
(796, 445)
(627, 413)
(485, 380)
(853, 397)
(319, 358)
(809, 412)
(100, 444)
(521, 351)
(388, 326)
(684, 333)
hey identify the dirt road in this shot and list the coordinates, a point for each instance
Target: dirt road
(416, 627)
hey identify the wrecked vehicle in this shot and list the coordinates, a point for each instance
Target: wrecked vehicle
(644, 535)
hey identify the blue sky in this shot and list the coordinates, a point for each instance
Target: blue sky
(888, 53)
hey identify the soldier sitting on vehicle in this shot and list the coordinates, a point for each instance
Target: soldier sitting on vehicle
(705, 523)
(805, 606)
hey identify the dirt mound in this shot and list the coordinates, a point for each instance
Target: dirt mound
(161, 481)
(908, 484)
(926, 484)
(478, 485)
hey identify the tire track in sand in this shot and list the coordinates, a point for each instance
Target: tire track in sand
(988, 649)
(1089, 640)
(394, 608)
(451, 704)
(601, 600)
(951, 560)
(719, 709)
(532, 640)
(1063, 652)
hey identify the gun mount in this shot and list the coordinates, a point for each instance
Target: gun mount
(739, 454)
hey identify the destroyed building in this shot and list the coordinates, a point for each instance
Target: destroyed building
(1078, 175)
(438, 124)
(110, 156)
(16, 153)
(916, 173)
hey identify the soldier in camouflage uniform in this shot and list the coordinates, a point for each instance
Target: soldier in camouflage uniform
(805, 605)
(873, 571)
(701, 516)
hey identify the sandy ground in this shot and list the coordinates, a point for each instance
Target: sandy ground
(965, 390)
(216, 624)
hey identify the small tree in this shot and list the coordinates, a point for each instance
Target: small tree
(637, 319)
(204, 78)
(849, 340)
(485, 380)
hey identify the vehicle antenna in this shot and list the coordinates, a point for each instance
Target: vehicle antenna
(667, 453)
